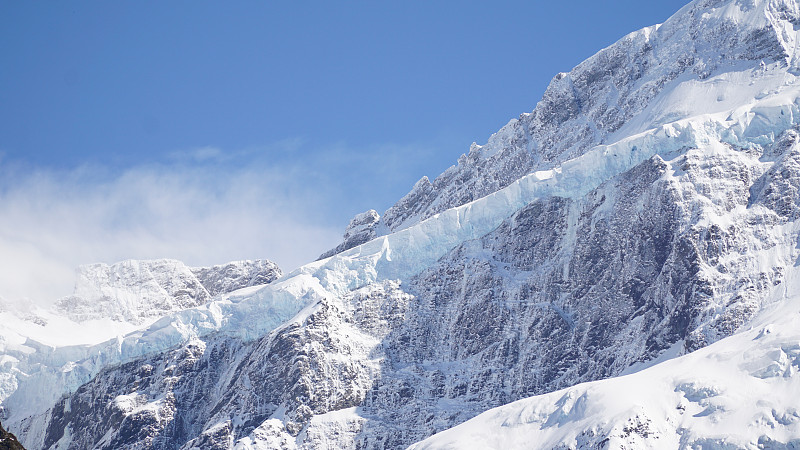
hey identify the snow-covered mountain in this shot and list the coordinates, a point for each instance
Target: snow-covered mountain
(645, 210)
(133, 291)
(108, 302)
(683, 68)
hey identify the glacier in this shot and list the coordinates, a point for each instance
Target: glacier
(108, 302)
(636, 223)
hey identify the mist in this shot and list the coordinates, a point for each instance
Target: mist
(201, 213)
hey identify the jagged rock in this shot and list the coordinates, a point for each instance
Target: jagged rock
(362, 228)
(235, 275)
(8, 441)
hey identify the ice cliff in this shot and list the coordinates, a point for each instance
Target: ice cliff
(57, 344)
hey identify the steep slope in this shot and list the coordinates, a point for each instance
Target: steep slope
(362, 228)
(667, 238)
(740, 392)
(108, 302)
(638, 83)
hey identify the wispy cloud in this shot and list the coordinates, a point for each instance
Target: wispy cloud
(287, 202)
(53, 221)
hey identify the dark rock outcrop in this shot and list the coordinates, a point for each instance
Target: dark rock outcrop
(8, 441)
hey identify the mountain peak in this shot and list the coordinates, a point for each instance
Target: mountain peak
(625, 89)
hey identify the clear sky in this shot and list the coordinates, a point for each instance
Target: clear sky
(209, 131)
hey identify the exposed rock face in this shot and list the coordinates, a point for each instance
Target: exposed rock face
(134, 290)
(8, 441)
(681, 403)
(362, 228)
(235, 275)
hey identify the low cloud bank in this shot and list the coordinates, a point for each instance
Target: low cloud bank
(205, 213)
(287, 202)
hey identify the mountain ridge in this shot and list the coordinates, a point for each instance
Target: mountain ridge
(573, 116)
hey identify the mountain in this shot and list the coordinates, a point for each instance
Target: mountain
(44, 351)
(643, 214)
(134, 290)
(362, 229)
(638, 83)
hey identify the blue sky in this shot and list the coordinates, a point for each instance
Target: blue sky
(209, 131)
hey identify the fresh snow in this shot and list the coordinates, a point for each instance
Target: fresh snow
(65, 343)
